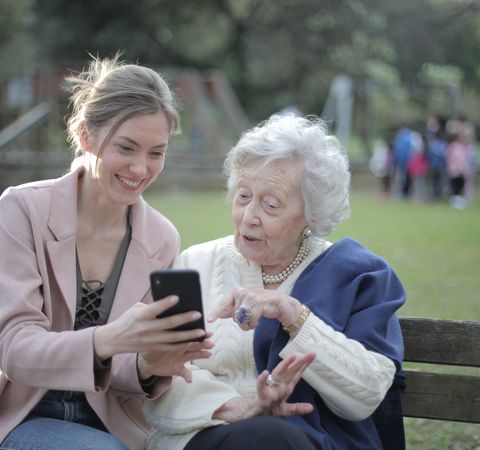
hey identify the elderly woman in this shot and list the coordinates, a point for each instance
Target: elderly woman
(275, 292)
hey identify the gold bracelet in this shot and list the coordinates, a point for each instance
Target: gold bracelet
(295, 326)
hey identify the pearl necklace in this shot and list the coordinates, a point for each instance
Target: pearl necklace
(282, 276)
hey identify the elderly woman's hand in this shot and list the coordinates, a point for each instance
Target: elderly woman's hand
(255, 303)
(273, 390)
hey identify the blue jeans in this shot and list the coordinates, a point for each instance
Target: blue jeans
(62, 420)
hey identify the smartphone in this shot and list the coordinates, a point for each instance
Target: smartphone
(185, 283)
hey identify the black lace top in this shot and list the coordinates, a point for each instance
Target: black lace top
(95, 298)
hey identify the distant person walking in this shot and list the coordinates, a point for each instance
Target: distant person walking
(381, 165)
(417, 170)
(463, 128)
(458, 170)
(436, 149)
(406, 143)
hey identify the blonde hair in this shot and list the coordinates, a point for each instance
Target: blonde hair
(110, 92)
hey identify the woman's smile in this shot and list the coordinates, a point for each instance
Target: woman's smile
(128, 184)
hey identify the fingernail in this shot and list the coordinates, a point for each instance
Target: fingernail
(174, 299)
(200, 333)
(196, 315)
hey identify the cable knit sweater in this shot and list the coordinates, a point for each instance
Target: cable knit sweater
(350, 379)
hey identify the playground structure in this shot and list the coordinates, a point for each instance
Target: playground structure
(212, 120)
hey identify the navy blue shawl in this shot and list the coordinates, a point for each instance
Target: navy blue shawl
(356, 293)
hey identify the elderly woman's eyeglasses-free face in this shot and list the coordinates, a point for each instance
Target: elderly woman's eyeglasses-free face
(268, 214)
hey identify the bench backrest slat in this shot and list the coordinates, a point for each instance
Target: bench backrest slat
(436, 341)
(443, 396)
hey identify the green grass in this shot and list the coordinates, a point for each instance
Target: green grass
(198, 216)
(434, 249)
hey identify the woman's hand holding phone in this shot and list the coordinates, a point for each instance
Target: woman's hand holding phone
(185, 284)
(162, 351)
(187, 344)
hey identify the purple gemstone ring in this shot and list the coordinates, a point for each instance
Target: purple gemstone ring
(243, 314)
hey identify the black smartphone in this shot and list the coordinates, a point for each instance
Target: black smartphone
(185, 283)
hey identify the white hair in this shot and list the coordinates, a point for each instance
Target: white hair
(325, 180)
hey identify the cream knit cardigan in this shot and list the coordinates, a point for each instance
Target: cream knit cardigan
(351, 380)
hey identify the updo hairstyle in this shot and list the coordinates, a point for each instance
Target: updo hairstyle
(110, 92)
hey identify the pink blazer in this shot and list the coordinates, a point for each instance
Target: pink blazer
(38, 348)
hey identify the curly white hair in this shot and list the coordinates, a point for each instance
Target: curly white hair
(325, 180)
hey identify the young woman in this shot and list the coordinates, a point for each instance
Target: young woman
(80, 343)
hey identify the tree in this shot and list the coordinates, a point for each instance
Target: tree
(264, 46)
(14, 44)
(274, 52)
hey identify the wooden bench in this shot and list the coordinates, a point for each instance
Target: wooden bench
(452, 396)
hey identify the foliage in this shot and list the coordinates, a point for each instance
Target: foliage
(9, 19)
(275, 53)
(15, 48)
(263, 46)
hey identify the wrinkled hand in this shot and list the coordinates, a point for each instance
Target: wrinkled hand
(262, 302)
(271, 400)
(138, 330)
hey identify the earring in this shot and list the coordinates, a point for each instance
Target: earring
(307, 232)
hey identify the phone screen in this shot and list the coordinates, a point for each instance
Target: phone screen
(185, 283)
